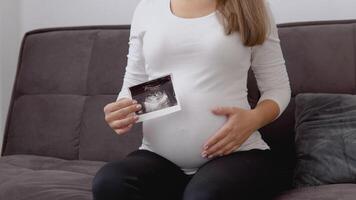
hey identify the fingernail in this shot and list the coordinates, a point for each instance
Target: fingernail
(136, 117)
(138, 106)
(203, 155)
(134, 101)
(210, 156)
(205, 147)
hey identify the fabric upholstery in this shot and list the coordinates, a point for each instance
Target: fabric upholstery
(46, 125)
(65, 78)
(25, 177)
(324, 192)
(325, 139)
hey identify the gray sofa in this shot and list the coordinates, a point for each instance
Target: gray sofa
(56, 137)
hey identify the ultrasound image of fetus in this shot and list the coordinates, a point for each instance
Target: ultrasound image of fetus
(156, 99)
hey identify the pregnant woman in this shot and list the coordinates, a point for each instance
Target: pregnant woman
(211, 149)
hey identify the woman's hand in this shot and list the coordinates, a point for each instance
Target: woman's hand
(120, 115)
(240, 125)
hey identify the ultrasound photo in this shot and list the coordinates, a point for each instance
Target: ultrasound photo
(157, 97)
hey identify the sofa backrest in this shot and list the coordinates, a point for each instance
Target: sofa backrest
(67, 75)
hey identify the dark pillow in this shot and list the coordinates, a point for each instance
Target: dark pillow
(325, 126)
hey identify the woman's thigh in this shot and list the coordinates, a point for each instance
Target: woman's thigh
(242, 175)
(141, 175)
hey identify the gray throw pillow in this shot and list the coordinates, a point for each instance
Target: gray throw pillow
(325, 126)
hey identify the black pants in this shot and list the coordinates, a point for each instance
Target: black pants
(144, 175)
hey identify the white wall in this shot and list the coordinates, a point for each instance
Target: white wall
(9, 45)
(74, 12)
(20, 16)
(307, 10)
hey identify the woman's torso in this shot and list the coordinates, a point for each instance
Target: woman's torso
(209, 69)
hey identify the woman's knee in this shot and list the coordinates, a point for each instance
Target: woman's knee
(202, 187)
(239, 176)
(112, 181)
(206, 189)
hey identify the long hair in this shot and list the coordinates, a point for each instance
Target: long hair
(248, 17)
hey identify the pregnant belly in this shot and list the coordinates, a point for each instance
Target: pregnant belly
(180, 136)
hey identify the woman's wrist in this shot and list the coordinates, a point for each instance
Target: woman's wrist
(258, 117)
(265, 112)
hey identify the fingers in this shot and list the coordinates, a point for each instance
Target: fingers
(217, 148)
(230, 148)
(123, 130)
(113, 106)
(223, 110)
(225, 149)
(128, 110)
(122, 123)
(120, 115)
(123, 112)
(222, 132)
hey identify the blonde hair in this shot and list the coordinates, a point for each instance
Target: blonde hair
(248, 17)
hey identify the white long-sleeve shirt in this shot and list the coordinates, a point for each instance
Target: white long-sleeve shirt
(209, 68)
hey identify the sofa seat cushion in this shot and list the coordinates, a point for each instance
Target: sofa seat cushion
(26, 177)
(344, 191)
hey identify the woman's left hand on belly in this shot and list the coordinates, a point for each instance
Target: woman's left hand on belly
(240, 125)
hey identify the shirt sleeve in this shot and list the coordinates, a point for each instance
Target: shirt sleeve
(135, 69)
(269, 68)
